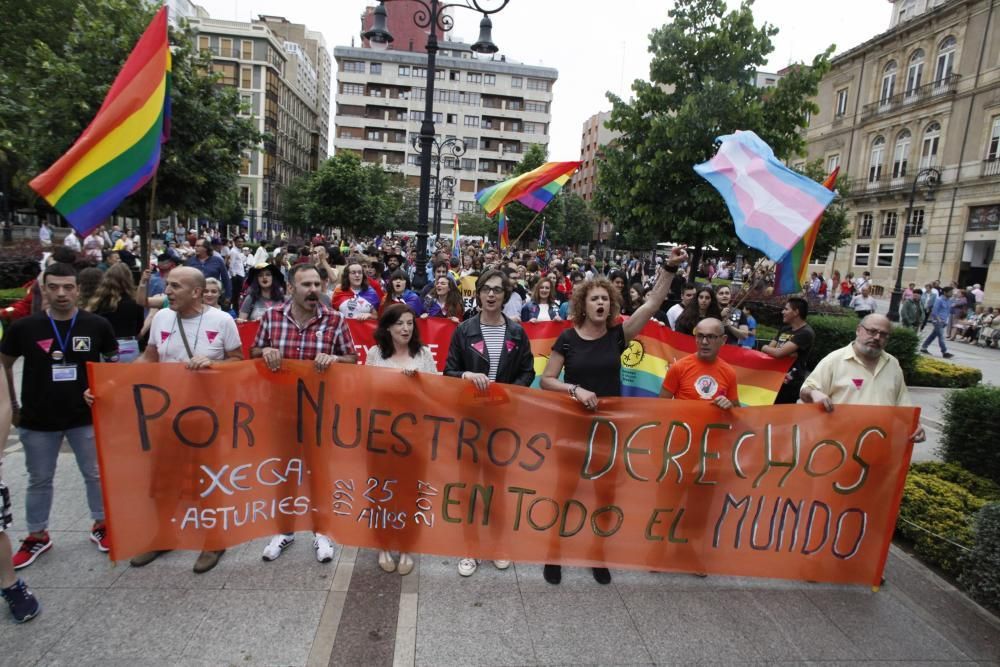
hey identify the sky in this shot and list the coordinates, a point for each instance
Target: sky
(597, 45)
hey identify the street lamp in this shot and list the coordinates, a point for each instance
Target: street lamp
(930, 178)
(431, 15)
(452, 145)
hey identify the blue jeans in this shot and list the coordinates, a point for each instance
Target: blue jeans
(938, 333)
(41, 453)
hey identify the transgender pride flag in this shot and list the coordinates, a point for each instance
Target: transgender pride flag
(772, 206)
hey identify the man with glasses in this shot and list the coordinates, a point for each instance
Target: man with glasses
(861, 373)
(702, 375)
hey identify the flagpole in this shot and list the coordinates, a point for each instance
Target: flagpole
(144, 235)
(514, 242)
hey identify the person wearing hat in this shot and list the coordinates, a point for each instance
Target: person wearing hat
(265, 289)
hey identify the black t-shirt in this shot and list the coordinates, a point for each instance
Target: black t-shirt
(593, 364)
(126, 320)
(47, 405)
(803, 337)
(736, 319)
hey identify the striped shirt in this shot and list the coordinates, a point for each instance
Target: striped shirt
(493, 336)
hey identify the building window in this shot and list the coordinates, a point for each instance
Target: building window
(452, 119)
(490, 79)
(466, 206)
(915, 225)
(474, 77)
(875, 160)
(373, 135)
(516, 82)
(468, 164)
(354, 66)
(886, 252)
(914, 72)
(890, 222)
(246, 49)
(404, 70)
(841, 103)
(537, 107)
(438, 74)
(994, 148)
(246, 77)
(538, 84)
(203, 43)
(984, 218)
(888, 82)
(865, 223)
(911, 254)
(413, 159)
(352, 88)
(471, 143)
(929, 149)
(472, 121)
(375, 68)
(945, 61)
(901, 154)
(862, 254)
(246, 104)
(226, 47)
(832, 162)
(420, 72)
(375, 92)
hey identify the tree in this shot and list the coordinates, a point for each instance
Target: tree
(573, 220)
(356, 197)
(295, 203)
(701, 86)
(475, 223)
(834, 228)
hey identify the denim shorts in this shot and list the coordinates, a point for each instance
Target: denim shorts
(6, 518)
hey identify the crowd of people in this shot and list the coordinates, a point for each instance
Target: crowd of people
(186, 306)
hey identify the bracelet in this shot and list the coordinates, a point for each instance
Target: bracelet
(572, 391)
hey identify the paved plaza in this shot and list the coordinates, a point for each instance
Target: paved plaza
(296, 611)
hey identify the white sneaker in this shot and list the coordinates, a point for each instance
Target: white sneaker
(467, 566)
(276, 546)
(501, 564)
(324, 548)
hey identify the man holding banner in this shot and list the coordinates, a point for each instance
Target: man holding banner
(702, 375)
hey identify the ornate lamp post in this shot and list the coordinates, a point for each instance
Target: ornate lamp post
(930, 178)
(432, 15)
(452, 145)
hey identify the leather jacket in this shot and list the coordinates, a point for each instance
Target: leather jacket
(468, 353)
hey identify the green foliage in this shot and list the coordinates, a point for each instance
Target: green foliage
(956, 474)
(931, 372)
(474, 223)
(835, 332)
(295, 203)
(358, 198)
(701, 86)
(972, 429)
(981, 572)
(943, 508)
(834, 229)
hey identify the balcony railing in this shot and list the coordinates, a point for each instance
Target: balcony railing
(924, 93)
(884, 184)
(991, 167)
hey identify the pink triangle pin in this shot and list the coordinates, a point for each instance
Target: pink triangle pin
(858, 382)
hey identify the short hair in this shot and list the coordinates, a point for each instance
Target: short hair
(690, 286)
(64, 255)
(489, 275)
(59, 270)
(299, 268)
(800, 305)
(578, 302)
(166, 257)
(441, 263)
(215, 282)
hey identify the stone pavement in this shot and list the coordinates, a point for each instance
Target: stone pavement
(296, 611)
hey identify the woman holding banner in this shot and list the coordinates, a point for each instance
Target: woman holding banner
(590, 351)
(398, 346)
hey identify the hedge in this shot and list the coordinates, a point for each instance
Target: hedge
(833, 333)
(931, 372)
(981, 569)
(937, 503)
(971, 434)
(19, 263)
(767, 308)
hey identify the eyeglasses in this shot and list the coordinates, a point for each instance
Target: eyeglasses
(711, 338)
(492, 289)
(877, 333)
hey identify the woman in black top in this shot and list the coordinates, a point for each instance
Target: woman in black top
(704, 304)
(590, 351)
(113, 301)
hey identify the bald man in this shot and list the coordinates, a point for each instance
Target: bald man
(861, 373)
(702, 375)
(197, 335)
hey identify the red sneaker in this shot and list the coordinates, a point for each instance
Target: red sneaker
(99, 536)
(31, 548)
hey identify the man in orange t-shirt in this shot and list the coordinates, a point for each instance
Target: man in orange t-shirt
(703, 376)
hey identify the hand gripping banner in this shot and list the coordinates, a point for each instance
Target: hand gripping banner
(425, 464)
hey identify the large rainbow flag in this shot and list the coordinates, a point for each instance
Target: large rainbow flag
(772, 206)
(535, 189)
(504, 232)
(792, 270)
(119, 151)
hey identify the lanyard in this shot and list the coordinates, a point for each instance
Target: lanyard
(63, 342)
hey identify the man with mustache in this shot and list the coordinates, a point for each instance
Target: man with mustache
(862, 373)
(303, 328)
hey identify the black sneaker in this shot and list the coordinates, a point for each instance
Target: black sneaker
(23, 604)
(552, 574)
(925, 350)
(947, 355)
(601, 575)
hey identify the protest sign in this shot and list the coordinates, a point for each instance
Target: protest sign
(209, 459)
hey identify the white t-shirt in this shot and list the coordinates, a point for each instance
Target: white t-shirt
(210, 334)
(673, 313)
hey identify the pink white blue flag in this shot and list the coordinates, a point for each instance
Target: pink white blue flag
(772, 206)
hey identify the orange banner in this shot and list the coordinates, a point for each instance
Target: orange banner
(373, 458)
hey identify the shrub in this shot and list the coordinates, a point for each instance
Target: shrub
(833, 333)
(19, 263)
(981, 568)
(933, 508)
(767, 308)
(956, 474)
(931, 372)
(971, 430)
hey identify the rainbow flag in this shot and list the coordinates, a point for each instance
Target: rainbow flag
(535, 189)
(119, 151)
(792, 270)
(772, 206)
(504, 231)
(455, 250)
(649, 355)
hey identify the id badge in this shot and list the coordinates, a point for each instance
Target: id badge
(64, 372)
